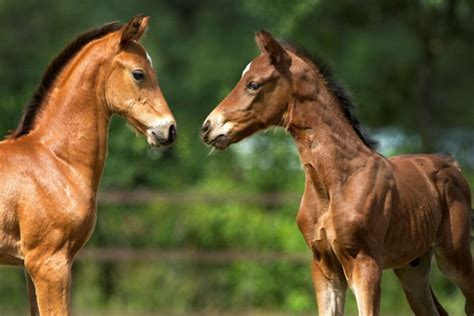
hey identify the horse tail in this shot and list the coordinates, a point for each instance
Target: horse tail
(439, 307)
(449, 158)
(472, 223)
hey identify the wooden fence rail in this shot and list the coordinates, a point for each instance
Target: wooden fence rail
(191, 256)
(149, 196)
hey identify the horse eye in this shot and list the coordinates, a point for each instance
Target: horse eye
(138, 75)
(252, 85)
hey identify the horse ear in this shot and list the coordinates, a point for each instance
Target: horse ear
(269, 45)
(134, 29)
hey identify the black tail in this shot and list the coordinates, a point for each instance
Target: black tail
(439, 307)
(472, 224)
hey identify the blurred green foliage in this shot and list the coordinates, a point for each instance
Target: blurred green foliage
(409, 64)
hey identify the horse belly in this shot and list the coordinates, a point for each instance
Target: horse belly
(412, 231)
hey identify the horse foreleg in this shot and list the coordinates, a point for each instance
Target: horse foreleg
(330, 287)
(365, 278)
(51, 276)
(415, 280)
(31, 295)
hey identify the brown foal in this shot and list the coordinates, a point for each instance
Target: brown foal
(360, 212)
(51, 165)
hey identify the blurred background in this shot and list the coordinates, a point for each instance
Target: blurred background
(187, 232)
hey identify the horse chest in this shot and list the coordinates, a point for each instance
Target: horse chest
(322, 237)
(315, 219)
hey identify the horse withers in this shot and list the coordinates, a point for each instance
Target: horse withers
(360, 212)
(51, 165)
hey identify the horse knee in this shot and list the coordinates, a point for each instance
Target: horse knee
(48, 269)
(367, 265)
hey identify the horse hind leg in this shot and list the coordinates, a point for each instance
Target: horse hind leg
(415, 280)
(452, 248)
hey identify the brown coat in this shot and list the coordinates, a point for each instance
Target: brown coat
(360, 212)
(50, 167)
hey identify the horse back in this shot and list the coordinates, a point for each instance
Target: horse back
(440, 172)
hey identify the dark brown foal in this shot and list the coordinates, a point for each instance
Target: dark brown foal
(360, 212)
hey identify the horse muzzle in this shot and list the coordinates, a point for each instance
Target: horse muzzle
(215, 136)
(162, 135)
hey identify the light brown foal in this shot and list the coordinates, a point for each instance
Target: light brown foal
(360, 212)
(50, 167)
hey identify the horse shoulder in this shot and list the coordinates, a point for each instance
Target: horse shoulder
(361, 210)
(48, 202)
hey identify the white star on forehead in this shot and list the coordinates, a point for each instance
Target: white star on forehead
(149, 59)
(246, 68)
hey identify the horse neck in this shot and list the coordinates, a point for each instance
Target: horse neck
(73, 123)
(329, 148)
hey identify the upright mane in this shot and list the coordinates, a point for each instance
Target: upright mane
(33, 106)
(338, 90)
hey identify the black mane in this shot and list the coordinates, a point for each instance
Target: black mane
(338, 90)
(33, 106)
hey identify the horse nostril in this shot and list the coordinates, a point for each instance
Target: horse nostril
(172, 133)
(206, 126)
